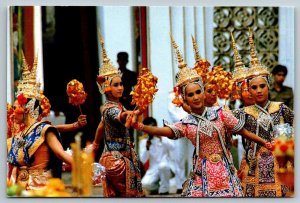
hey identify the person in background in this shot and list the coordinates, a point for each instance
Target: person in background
(130, 79)
(280, 92)
(157, 150)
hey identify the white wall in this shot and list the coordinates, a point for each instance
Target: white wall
(160, 58)
(117, 27)
(286, 43)
(182, 22)
(38, 45)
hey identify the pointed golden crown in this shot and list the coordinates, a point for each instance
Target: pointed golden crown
(107, 68)
(28, 84)
(202, 65)
(196, 50)
(256, 68)
(240, 71)
(185, 74)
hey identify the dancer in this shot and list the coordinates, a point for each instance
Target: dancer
(258, 176)
(123, 175)
(35, 152)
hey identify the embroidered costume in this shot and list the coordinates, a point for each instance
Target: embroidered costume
(215, 175)
(123, 175)
(259, 166)
(31, 161)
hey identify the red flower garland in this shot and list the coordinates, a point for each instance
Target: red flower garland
(21, 99)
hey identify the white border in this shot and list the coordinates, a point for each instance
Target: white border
(3, 59)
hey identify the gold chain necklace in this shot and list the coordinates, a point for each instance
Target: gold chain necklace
(20, 141)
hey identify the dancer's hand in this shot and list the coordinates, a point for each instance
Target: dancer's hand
(129, 116)
(82, 120)
(268, 145)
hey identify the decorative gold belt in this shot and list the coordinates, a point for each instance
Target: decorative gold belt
(121, 140)
(214, 158)
(23, 173)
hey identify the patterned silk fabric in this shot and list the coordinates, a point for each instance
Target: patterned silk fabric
(123, 175)
(258, 173)
(29, 158)
(213, 178)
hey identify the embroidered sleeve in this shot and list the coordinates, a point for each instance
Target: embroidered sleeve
(113, 114)
(287, 114)
(240, 115)
(231, 122)
(178, 129)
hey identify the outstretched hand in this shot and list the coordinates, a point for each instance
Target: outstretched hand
(269, 145)
(82, 120)
(134, 117)
(131, 117)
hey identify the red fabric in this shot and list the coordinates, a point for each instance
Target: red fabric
(146, 165)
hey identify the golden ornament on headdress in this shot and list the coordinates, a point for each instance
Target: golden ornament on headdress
(256, 68)
(28, 85)
(185, 74)
(107, 68)
(201, 65)
(240, 71)
(30, 88)
(107, 71)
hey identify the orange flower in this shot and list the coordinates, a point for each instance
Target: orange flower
(76, 92)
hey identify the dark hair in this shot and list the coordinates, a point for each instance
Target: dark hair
(122, 55)
(279, 68)
(150, 121)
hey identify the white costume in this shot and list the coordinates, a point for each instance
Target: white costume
(159, 172)
(183, 151)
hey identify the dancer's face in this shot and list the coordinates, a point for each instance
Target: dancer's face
(248, 100)
(259, 90)
(210, 96)
(19, 113)
(117, 87)
(194, 97)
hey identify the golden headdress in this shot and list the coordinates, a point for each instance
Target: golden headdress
(28, 87)
(240, 71)
(106, 72)
(239, 75)
(185, 74)
(256, 68)
(201, 65)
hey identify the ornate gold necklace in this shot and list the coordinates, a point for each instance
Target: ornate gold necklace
(20, 141)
